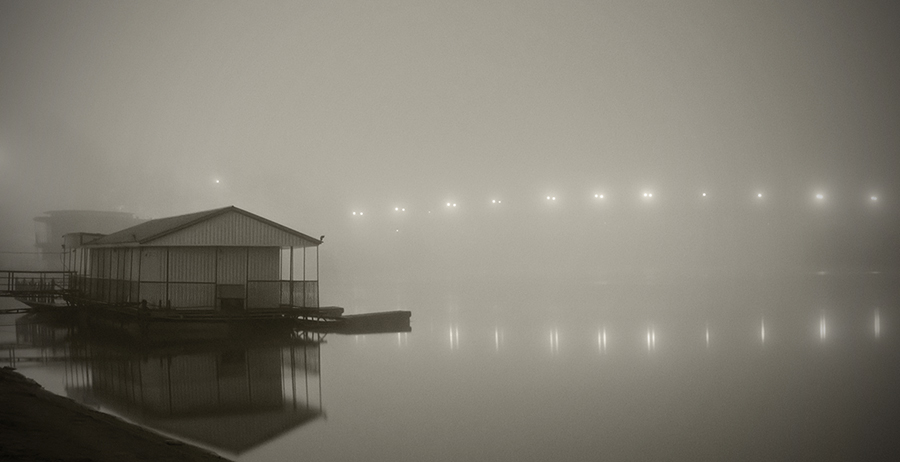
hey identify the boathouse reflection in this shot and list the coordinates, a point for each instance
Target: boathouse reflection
(228, 397)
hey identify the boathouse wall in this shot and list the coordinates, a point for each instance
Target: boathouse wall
(222, 259)
(193, 277)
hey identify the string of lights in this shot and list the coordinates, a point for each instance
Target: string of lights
(647, 196)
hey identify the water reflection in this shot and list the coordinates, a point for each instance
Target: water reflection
(601, 340)
(877, 324)
(554, 341)
(454, 337)
(679, 333)
(231, 396)
(651, 339)
(691, 369)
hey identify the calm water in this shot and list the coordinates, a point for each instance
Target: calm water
(799, 368)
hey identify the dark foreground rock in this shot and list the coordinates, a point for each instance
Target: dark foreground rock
(36, 425)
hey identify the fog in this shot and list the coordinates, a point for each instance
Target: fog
(306, 112)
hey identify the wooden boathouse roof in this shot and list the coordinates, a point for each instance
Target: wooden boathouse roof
(226, 226)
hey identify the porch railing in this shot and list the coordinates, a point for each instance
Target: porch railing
(35, 283)
(258, 294)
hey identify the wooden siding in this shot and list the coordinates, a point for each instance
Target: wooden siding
(153, 262)
(232, 267)
(192, 296)
(264, 263)
(231, 229)
(192, 264)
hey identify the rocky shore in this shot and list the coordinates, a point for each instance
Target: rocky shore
(36, 425)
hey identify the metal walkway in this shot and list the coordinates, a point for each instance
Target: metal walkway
(35, 284)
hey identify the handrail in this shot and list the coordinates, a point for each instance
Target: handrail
(27, 281)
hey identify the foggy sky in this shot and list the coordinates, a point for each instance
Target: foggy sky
(306, 111)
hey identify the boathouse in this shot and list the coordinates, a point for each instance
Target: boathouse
(225, 259)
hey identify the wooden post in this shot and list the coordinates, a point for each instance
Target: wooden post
(131, 274)
(317, 276)
(86, 262)
(119, 268)
(247, 281)
(167, 275)
(140, 260)
(215, 252)
(109, 275)
(216, 280)
(304, 278)
(291, 278)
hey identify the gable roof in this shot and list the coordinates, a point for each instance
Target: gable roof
(152, 231)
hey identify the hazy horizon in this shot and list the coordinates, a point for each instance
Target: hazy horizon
(307, 112)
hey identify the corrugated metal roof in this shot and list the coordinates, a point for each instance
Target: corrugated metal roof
(148, 232)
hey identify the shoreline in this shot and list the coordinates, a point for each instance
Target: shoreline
(37, 425)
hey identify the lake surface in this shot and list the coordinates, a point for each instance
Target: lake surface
(752, 368)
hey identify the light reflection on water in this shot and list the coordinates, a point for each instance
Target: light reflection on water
(751, 371)
(552, 337)
(877, 323)
(762, 331)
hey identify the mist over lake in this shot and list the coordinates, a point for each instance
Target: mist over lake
(625, 230)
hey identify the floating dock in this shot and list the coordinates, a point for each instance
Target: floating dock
(48, 292)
